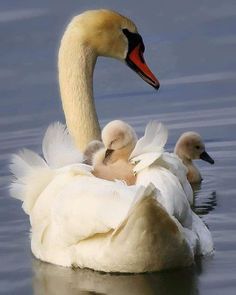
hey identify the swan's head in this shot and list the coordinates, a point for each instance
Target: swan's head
(190, 145)
(118, 135)
(110, 34)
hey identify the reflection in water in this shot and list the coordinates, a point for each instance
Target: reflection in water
(207, 205)
(49, 279)
(204, 202)
(196, 188)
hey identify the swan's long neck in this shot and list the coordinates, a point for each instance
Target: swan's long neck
(76, 65)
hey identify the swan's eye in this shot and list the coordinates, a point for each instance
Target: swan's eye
(135, 60)
(197, 147)
(134, 39)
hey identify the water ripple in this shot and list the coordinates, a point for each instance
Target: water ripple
(20, 14)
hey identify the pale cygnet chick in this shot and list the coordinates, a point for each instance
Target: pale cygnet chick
(190, 146)
(111, 163)
(90, 150)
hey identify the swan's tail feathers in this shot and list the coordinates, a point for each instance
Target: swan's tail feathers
(154, 139)
(58, 147)
(31, 176)
(205, 242)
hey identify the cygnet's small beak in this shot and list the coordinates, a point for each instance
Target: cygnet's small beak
(136, 62)
(107, 155)
(205, 157)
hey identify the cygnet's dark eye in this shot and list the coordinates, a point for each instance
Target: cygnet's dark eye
(197, 147)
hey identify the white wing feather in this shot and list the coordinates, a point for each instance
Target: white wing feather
(144, 161)
(176, 166)
(205, 246)
(150, 149)
(24, 161)
(31, 176)
(154, 139)
(58, 147)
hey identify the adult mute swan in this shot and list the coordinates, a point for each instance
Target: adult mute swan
(76, 218)
(80, 220)
(190, 146)
(89, 35)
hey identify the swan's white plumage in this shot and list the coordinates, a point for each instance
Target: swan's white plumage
(154, 139)
(79, 219)
(58, 147)
(28, 168)
(79, 211)
(176, 166)
(168, 174)
(172, 196)
(150, 149)
(205, 244)
(141, 236)
(77, 184)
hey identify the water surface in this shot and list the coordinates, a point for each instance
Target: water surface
(191, 47)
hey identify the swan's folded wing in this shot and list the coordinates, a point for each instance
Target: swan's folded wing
(205, 242)
(58, 147)
(31, 175)
(144, 161)
(172, 196)
(90, 206)
(176, 166)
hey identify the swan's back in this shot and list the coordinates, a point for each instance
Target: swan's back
(133, 234)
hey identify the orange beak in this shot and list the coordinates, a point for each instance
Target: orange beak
(136, 62)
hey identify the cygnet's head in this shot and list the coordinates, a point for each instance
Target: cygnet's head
(191, 146)
(118, 135)
(107, 33)
(91, 149)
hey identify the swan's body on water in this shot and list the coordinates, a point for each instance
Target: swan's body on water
(76, 218)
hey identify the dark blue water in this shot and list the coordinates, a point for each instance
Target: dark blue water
(190, 46)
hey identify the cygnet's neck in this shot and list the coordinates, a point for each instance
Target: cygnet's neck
(193, 174)
(76, 65)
